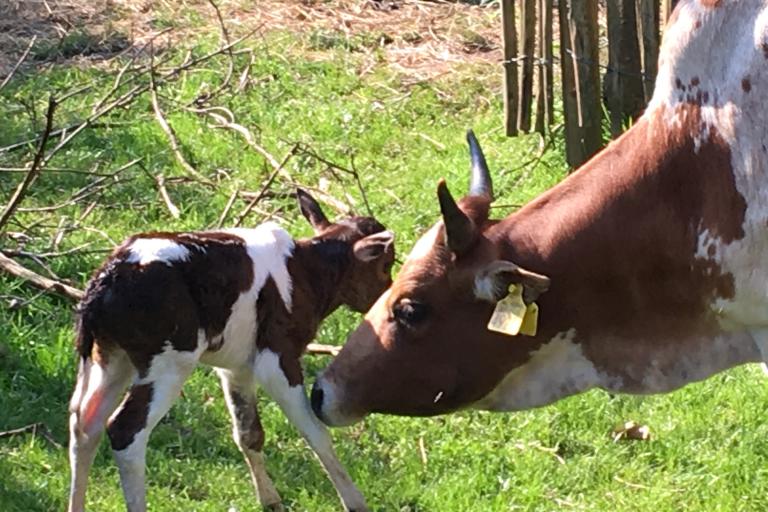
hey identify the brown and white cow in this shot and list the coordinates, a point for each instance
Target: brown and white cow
(246, 301)
(655, 252)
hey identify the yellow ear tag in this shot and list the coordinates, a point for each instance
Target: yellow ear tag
(531, 320)
(512, 316)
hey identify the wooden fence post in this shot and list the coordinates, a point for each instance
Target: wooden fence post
(545, 101)
(623, 83)
(581, 79)
(509, 36)
(667, 6)
(528, 42)
(648, 27)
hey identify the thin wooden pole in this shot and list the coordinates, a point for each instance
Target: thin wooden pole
(623, 83)
(528, 40)
(570, 104)
(667, 6)
(648, 29)
(545, 102)
(509, 36)
(581, 55)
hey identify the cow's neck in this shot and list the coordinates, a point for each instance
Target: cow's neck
(620, 236)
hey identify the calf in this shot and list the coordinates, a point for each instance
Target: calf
(246, 301)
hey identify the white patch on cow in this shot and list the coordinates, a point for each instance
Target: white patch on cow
(556, 370)
(424, 245)
(147, 250)
(268, 246)
(725, 54)
(295, 405)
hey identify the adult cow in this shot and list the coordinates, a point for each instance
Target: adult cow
(656, 253)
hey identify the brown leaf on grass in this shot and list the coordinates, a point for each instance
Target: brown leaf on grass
(631, 430)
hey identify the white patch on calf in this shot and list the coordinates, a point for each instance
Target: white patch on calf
(239, 334)
(556, 370)
(147, 250)
(167, 372)
(268, 246)
(295, 405)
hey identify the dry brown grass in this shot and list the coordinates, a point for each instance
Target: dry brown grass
(419, 39)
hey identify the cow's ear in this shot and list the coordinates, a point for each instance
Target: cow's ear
(492, 282)
(311, 211)
(373, 246)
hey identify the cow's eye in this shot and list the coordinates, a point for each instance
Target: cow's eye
(410, 313)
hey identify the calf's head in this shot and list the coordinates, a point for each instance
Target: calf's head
(423, 348)
(363, 244)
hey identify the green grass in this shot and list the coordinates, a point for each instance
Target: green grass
(708, 451)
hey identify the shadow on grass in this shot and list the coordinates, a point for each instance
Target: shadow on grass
(19, 496)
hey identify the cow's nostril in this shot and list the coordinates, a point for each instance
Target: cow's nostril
(316, 399)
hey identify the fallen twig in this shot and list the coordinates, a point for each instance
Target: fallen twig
(34, 169)
(34, 428)
(18, 63)
(87, 190)
(320, 349)
(119, 78)
(172, 140)
(266, 186)
(15, 269)
(125, 98)
(172, 208)
(227, 208)
(231, 68)
(249, 139)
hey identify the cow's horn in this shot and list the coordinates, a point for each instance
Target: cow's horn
(459, 229)
(481, 177)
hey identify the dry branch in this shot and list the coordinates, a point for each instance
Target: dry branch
(320, 349)
(227, 208)
(172, 208)
(172, 140)
(125, 98)
(15, 269)
(34, 169)
(266, 186)
(18, 63)
(34, 428)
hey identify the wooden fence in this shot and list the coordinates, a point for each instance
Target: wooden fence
(624, 82)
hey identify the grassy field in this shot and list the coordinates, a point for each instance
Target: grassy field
(342, 98)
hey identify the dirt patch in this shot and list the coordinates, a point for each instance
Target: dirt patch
(419, 39)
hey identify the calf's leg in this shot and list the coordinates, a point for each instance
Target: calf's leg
(100, 384)
(148, 400)
(240, 395)
(270, 372)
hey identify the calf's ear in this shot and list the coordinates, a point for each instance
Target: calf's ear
(311, 211)
(373, 246)
(492, 282)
